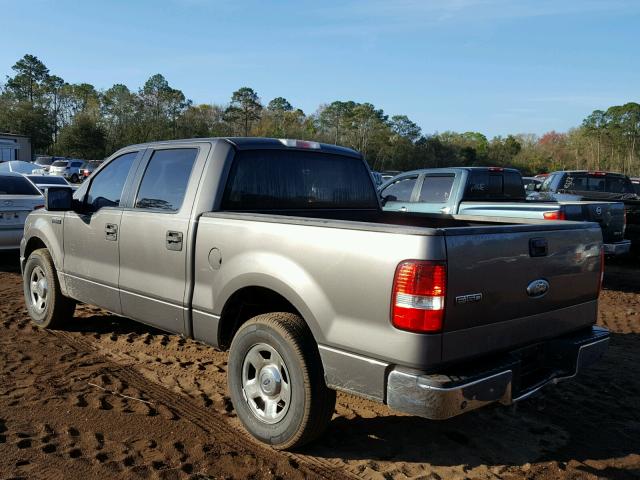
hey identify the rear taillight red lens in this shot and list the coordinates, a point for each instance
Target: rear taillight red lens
(418, 298)
(557, 215)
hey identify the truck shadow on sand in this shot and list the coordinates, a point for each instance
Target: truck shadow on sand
(592, 417)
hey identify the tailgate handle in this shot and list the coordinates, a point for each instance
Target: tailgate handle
(538, 247)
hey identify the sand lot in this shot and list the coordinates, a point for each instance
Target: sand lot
(109, 398)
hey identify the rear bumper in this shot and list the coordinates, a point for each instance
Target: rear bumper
(618, 248)
(507, 380)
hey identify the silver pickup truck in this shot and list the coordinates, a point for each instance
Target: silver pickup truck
(279, 251)
(497, 192)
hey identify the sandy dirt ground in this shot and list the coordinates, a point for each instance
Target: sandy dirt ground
(110, 398)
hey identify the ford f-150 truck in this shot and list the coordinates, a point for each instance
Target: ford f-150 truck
(574, 185)
(279, 251)
(496, 191)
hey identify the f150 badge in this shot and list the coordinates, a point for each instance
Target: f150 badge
(472, 298)
(538, 288)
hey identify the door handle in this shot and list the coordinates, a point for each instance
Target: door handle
(403, 209)
(174, 240)
(111, 232)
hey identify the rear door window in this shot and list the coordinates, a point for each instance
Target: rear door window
(400, 190)
(165, 179)
(436, 189)
(294, 179)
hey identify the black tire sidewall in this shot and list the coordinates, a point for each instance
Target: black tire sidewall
(76, 178)
(288, 427)
(37, 259)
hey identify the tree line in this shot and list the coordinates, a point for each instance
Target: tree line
(78, 120)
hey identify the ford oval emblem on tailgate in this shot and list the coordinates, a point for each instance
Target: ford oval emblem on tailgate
(538, 288)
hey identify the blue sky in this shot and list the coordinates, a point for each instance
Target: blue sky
(494, 66)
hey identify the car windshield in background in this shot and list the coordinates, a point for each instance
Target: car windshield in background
(14, 185)
(583, 182)
(44, 161)
(290, 180)
(48, 180)
(59, 163)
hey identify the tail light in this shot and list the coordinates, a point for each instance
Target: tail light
(601, 270)
(496, 169)
(557, 215)
(418, 298)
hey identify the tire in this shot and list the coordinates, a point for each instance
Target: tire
(47, 307)
(304, 404)
(74, 178)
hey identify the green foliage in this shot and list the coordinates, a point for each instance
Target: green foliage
(79, 120)
(84, 138)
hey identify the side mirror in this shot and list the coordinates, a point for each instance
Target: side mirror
(58, 199)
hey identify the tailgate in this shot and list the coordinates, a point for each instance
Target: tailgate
(609, 215)
(496, 285)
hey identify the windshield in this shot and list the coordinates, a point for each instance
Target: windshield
(10, 185)
(293, 179)
(59, 163)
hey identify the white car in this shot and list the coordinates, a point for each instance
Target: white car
(69, 169)
(18, 197)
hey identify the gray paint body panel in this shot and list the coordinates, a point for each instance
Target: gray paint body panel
(337, 273)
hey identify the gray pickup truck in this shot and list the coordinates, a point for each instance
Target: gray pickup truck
(496, 191)
(279, 251)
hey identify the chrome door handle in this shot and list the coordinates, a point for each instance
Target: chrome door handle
(111, 232)
(174, 241)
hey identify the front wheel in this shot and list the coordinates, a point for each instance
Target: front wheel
(47, 306)
(276, 381)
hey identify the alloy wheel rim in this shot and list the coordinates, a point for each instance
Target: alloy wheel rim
(266, 385)
(38, 289)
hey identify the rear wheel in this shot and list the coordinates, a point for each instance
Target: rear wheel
(276, 381)
(74, 178)
(47, 306)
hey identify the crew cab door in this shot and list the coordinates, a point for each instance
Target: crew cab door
(155, 236)
(92, 234)
(397, 195)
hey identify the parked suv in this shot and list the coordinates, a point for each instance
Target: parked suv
(69, 169)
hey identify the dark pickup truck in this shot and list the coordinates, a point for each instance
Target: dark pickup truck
(497, 192)
(584, 185)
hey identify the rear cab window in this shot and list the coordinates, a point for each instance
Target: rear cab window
(294, 180)
(494, 185)
(10, 185)
(596, 182)
(59, 163)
